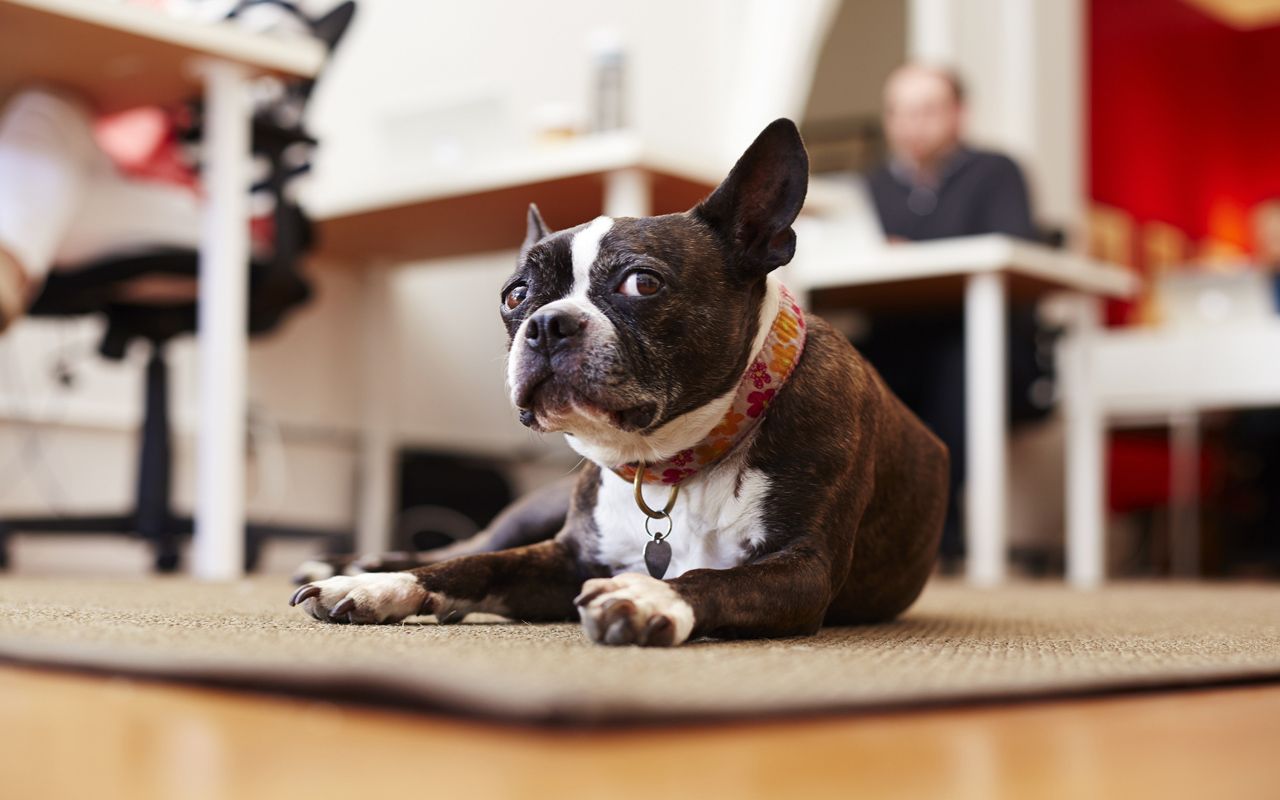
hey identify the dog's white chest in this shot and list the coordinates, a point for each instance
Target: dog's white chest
(715, 522)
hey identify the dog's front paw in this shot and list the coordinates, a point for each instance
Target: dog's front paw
(634, 609)
(383, 562)
(315, 570)
(364, 599)
(324, 567)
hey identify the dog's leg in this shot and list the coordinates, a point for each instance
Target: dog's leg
(535, 517)
(534, 582)
(785, 594)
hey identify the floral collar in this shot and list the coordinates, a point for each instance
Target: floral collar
(761, 382)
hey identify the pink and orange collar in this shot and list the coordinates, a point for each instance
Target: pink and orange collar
(768, 371)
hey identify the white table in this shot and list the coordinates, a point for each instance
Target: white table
(985, 271)
(118, 57)
(1165, 375)
(434, 212)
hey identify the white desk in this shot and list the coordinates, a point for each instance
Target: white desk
(1170, 375)
(986, 271)
(118, 57)
(436, 212)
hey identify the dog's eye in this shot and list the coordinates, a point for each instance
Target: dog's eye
(515, 295)
(640, 283)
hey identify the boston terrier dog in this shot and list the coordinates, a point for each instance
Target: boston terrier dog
(747, 472)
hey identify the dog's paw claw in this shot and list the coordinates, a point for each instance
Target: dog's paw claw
(305, 592)
(346, 606)
(656, 626)
(634, 609)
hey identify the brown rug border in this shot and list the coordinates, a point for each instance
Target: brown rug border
(371, 688)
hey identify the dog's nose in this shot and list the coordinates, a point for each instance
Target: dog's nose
(549, 330)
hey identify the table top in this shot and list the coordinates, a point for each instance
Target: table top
(122, 56)
(1142, 372)
(917, 273)
(430, 213)
(481, 207)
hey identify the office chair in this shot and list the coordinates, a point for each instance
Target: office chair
(276, 287)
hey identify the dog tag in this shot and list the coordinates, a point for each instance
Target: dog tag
(657, 557)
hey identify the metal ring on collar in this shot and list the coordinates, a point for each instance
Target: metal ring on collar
(657, 537)
(671, 500)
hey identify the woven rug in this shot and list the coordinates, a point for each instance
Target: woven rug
(957, 644)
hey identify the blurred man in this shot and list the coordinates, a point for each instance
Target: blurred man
(934, 186)
(1253, 437)
(1266, 239)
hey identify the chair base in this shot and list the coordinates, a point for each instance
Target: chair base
(153, 518)
(165, 542)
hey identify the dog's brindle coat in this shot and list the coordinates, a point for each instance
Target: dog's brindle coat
(855, 486)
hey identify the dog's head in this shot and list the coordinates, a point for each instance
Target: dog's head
(630, 334)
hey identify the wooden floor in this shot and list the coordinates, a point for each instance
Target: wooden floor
(72, 736)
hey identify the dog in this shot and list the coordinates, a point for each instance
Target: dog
(747, 473)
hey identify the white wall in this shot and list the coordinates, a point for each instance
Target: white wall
(866, 41)
(451, 359)
(703, 77)
(1023, 63)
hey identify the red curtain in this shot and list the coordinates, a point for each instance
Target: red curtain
(1184, 116)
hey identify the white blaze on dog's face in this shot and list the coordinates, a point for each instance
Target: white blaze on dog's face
(630, 334)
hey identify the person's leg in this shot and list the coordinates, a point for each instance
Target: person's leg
(120, 216)
(13, 288)
(63, 203)
(943, 410)
(891, 346)
(47, 153)
(921, 358)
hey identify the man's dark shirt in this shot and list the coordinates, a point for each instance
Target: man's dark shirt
(920, 355)
(980, 192)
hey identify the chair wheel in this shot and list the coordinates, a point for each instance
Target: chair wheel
(167, 562)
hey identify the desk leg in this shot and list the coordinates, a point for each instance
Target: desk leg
(1184, 494)
(1086, 466)
(628, 193)
(986, 427)
(376, 513)
(224, 262)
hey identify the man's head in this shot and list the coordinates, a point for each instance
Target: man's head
(620, 330)
(923, 113)
(1266, 234)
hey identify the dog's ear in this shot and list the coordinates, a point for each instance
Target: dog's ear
(535, 229)
(753, 209)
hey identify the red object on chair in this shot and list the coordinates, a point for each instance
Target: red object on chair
(1139, 465)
